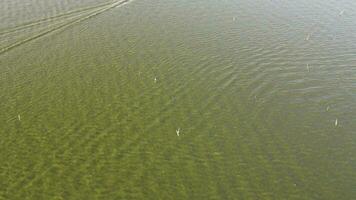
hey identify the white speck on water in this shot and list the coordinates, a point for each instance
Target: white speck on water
(342, 12)
(308, 37)
(336, 122)
(155, 79)
(19, 117)
(328, 108)
(177, 131)
(234, 19)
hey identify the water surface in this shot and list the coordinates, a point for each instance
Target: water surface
(92, 93)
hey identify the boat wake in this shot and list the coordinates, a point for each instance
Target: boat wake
(56, 23)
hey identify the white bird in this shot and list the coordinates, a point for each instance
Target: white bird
(327, 108)
(19, 117)
(234, 18)
(155, 79)
(336, 122)
(177, 131)
(341, 12)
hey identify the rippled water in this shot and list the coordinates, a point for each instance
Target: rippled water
(167, 99)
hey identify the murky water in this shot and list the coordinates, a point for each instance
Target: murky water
(167, 99)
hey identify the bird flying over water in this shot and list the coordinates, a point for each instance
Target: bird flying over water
(177, 131)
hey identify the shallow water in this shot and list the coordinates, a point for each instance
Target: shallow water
(263, 94)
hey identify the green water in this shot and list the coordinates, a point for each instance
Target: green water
(168, 99)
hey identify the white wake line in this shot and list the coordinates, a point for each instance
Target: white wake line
(64, 26)
(46, 20)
